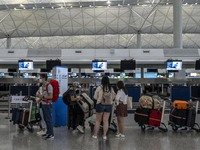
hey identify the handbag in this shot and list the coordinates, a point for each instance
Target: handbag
(129, 103)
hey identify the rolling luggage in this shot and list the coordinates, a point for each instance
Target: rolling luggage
(155, 117)
(84, 107)
(179, 104)
(191, 117)
(15, 115)
(142, 115)
(24, 116)
(89, 102)
(178, 116)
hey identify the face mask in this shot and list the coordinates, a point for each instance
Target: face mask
(40, 80)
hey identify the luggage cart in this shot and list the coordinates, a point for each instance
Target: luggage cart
(22, 114)
(151, 118)
(189, 120)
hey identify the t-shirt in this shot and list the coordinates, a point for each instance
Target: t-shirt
(47, 90)
(121, 96)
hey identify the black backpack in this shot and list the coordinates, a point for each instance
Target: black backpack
(66, 97)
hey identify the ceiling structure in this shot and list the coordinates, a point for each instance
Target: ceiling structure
(97, 24)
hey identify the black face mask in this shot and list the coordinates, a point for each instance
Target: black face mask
(77, 91)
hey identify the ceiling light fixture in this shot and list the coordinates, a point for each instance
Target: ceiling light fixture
(195, 3)
(128, 4)
(81, 6)
(108, 2)
(42, 7)
(15, 9)
(33, 7)
(90, 5)
(167, 3)
(52, 7)
(21, 5)
(118, 5)
(138, 4)
(71, 6)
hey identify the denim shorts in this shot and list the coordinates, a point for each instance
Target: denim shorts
(103, 108)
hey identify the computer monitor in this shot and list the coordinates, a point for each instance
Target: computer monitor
(25, 65)
(174, 65)
(128, 64)
(197, 65)
(99, 65)
(52, 63)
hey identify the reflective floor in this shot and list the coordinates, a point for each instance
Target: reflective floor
(11, 138)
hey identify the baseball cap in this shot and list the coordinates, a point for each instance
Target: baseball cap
(76, 84)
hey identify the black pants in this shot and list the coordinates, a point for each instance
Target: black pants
(76, 116)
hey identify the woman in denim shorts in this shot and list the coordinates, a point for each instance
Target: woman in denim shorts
(103, 110)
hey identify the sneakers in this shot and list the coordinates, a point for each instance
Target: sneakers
(80, 129)
(42, 132)
(49, 137)
(75, 131)
(45, 135)
(94, 137)
(120, 135)
(104, 137)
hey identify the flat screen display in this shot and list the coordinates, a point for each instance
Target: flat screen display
(25, 65)
(174, 65)
(99, 65)
(127, 64)
(197, 65)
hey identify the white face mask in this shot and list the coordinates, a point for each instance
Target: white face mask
(40, 80)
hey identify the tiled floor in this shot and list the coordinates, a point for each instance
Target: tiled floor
(11, 138)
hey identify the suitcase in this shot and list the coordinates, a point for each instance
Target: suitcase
(178, 116)
(15, 115)
(24, 116)
(84, 107)
(89, 102)
(180, 104)
(142, 116)
(191, 118)
(155, 117)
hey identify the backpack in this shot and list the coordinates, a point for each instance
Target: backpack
(56, 89)
(107, 98)
(66, 97)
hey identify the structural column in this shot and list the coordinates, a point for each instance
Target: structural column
(8, 43)
(177, 19)
(139, 41)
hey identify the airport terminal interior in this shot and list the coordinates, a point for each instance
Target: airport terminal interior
(150, 45)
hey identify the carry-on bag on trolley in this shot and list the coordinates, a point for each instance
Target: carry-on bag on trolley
(142, 115)
(151, 117)
(184, 115)
(180, 104)
(155, 117)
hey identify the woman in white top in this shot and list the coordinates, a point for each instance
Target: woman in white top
(121, 109)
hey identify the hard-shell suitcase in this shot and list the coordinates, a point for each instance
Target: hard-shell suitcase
(15, 115)
(89, 102)
(191, 117)
(155, 117)
(85, 108)
(179, 104)
(178, 116)
(24, 116)
(142, 115)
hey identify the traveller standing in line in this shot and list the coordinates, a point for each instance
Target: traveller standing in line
(104, 95)
(46, 96)
(76, 113)
(39, 104)
(121, 109)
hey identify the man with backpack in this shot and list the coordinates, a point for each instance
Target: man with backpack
(75, 113)
(46, 101)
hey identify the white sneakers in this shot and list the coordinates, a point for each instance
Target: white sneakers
(80, 129)
(42, 132)
(120, 135)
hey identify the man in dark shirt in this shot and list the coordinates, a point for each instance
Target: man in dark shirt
(75, 112)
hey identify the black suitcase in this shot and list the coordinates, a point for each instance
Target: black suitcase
(15, 115)
(178, 116)
(191, 117)
(142, 115)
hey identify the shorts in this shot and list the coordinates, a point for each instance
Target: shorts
(103, 108)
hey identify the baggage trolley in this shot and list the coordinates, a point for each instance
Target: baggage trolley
(151, 118)
(22, 115)
(185, 119)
